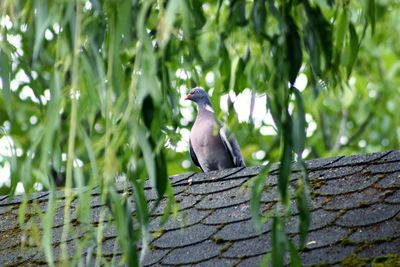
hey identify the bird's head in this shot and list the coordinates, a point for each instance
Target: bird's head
(199, 96)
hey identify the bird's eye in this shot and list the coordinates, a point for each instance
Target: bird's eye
(192, 92)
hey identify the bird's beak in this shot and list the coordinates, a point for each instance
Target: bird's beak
(188, 97)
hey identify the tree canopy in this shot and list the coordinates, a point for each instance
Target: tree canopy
(93, 90)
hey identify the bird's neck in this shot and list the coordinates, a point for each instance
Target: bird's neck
(205, 108)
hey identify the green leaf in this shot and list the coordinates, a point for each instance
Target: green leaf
(256, 193)
(5, 74)
(237, 12)
(293, 49)
(354, 47)
(123, 220)
(295, 260)
(161, 174)
(167, 21)
(371, 14)
(286, 161)
(304, 210)
(313, 48)
(258, 16)
(42, 20)
(340, 34)
(299, 124)
(48, 228)
(170, 204)
(320, 32)
(225, 64)
(279, 242)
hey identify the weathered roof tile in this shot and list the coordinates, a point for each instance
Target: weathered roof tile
(389, 181)
(254, 246)
(374, 250)
(240, 230)
(386, 230)
(215, 186)
(320, 218)
(323, 237)
(355, 199)
(192, 254)
(326, 255)
(184, 237)
(368, 215)
(393, 198)
(346, 184)
(184, 219)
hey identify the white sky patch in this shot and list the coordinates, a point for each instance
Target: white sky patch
(20, 189)
(183, 144)
(343, 140)
(305, 153)
(76, 94)
(26, 93)
(88, 6)
(182, 74)
(186, 164)
(268, 130)
(6, 22)
(259, 155)
(38, 186)
(362, 143)
(312, 126)
(16, 41)
(242, 103)
(33, 120)
(6, 147)
(352, 81)
(210, 78)
(301, 82)
(47, 94)
(5, 172)
(57, 28)
(24, 27)
(48, 35)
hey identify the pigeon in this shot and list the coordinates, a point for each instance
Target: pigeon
(211, 147)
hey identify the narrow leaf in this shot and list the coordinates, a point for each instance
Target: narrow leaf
(299, 124)
(354, 47)
(293, 49)
(5, 74)
(256, 193)
(258, 16)
(279, 242)
(371, 14)
(295, 260)
(304, 211)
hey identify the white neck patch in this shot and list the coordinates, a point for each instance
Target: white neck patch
(209, 108)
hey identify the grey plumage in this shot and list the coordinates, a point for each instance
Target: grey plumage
(211, 147)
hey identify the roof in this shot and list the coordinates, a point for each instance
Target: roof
(355, 217)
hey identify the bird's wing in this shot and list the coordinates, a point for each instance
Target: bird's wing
(193, 156)
(232, 147)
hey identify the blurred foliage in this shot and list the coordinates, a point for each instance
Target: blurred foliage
(92, 90)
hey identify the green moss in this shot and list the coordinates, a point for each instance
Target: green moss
(387, 260)
(226, 247)
(345, 242)
(157, 234)
(317, 183)
(217, 240)
(353, 261)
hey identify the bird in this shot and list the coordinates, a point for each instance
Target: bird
(211, 147)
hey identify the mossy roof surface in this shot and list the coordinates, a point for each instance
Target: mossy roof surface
(355, 214)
